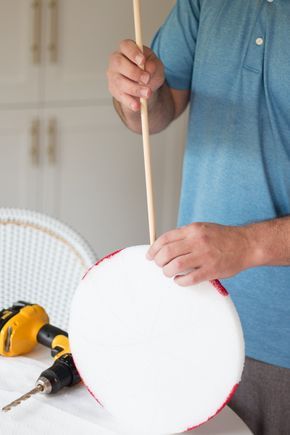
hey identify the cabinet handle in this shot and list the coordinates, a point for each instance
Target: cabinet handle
(52, 46)
(52, 137)
(34, 148)
(36, 36)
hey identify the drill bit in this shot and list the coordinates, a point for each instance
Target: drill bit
(38, 389)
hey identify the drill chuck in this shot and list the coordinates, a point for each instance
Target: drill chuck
(62, 374)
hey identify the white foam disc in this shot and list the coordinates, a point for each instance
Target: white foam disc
(159, 357)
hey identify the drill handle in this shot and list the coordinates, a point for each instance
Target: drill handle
(54, 338)
(48, 333)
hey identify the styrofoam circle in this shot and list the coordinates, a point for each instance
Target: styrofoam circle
(159, 357)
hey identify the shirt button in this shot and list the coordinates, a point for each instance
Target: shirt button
(259, 41)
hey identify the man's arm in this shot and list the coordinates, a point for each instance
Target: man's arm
(132, 75)
(204, 251)
(271, 242)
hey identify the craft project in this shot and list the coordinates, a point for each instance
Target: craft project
(159, 357)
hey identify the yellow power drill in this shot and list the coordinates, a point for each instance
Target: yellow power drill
(24, 325)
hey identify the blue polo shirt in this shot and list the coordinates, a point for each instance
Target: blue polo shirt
(234, 56)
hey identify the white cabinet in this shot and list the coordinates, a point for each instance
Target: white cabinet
(19, 75)
(80, 165)
(55, 51)
(51, 50)
(75, 49)
(20, 173)
(96, 179)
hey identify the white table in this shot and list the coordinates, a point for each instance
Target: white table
(72, 411)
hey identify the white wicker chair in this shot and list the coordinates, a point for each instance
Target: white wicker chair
(41, 261)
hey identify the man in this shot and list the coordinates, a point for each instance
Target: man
(230, 60)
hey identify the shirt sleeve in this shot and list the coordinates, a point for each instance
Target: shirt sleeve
(175, 43)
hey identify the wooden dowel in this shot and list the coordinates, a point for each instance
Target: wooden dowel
(145, 133)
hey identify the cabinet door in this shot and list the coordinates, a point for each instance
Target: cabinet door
(19, 33)
(96, 182)
(20, 162)
(79, 37)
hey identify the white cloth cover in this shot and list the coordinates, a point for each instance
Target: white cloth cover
(73, 411)
(160, 358)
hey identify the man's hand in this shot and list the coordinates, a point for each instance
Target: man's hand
(127, 80)
(203, 251)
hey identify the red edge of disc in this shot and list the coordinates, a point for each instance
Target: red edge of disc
(107, 257)
(220, 288)
(234, 389)
(91, 393)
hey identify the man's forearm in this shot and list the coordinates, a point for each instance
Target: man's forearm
(161, 111)
(270, 242)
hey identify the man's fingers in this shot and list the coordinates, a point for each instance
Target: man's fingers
(129, 87)
(120, 86)
(192, 278)
(180, 265)
(129, 102)
(169, 237)
(119, 63)
(152, 66)
(171, 251)
(147, 63)
(130, 49)
(126, 73)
